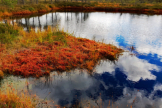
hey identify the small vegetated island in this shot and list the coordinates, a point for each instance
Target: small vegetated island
(37, 54)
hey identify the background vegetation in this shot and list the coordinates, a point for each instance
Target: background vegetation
(26, 7)
(13, 3)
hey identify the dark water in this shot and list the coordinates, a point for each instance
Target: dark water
(134, 80)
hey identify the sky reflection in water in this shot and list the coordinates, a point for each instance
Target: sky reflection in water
(132, 80)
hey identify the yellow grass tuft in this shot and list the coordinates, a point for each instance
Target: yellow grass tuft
(12, 99)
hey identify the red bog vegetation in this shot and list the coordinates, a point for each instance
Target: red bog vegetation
(58, 56)
(25, 12)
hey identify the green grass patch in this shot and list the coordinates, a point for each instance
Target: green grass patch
(7, 33)
(60, 37)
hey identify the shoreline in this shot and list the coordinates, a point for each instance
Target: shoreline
(35, 9)
(112, 9)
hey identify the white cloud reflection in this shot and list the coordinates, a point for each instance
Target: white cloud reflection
(62, 87)
(158, 87)
(137, 99)
(136, 68)
(133, 67)
(131, 99)
(105, 66)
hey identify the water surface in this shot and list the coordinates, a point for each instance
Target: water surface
(134, 80)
